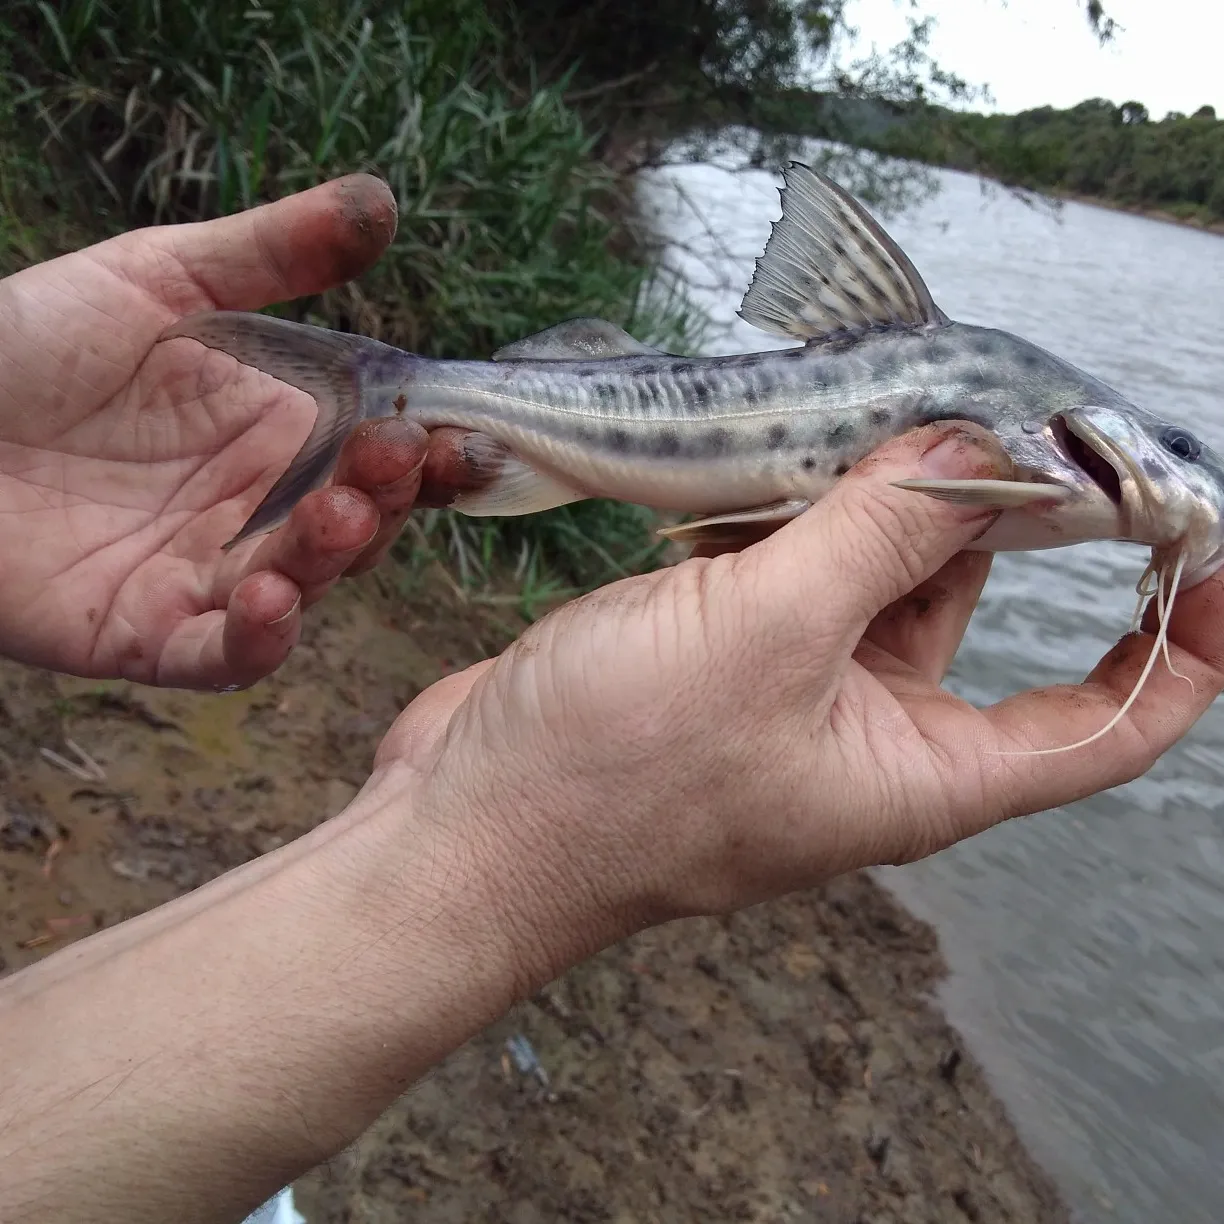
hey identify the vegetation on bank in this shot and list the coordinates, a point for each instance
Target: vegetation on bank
(507, 129)
(153, 111)
(1116, 154)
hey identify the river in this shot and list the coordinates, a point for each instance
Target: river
(1086, 943)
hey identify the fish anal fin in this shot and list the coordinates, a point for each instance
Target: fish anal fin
(989, 494)
(584, 339)
(503, 484)
(736, 526)
(830, 267)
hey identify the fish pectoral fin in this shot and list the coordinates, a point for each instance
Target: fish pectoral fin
(505, 485)
(585, 339)
(736, 526)
(829, 267)
(992, 494)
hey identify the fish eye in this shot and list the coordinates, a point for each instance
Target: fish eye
(1181, 443)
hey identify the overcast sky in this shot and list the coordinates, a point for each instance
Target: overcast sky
(1037, 52)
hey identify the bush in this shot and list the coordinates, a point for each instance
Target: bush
(130, 112)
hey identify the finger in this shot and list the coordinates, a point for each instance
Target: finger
(326, 532)
(866, 544)
(240, 645)
(417, 730)
(305, 243)
(383, 459)
(747, 540)
(451, 467)
(922, 631)
(1166, 708)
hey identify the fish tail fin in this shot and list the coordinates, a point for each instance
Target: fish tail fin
(325, 364)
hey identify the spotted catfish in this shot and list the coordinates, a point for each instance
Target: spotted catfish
(584, 410)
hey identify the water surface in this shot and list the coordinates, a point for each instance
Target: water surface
(1087, 943)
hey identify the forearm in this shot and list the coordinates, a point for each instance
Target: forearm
(189, 1067)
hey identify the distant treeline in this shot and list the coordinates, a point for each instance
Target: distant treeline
(1116, 154)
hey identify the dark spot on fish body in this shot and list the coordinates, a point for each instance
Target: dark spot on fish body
(840, 434)
(879, 417)
(841, 469)
(584, 433)
(808, 464)
(605, 392)
(618, 440)
(667, 442)
(715, 442)
(984, 345)
(834, 344)
(776, 436)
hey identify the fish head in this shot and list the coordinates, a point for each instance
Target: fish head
(1166, 485)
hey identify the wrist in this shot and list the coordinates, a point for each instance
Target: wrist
(537, 891)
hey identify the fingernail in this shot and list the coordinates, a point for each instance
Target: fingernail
(958, 456)
(280, 620)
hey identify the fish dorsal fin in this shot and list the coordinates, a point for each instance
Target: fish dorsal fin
(575, 340)
(829, 267)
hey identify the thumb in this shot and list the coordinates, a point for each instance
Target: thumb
(301, 244)
(866, 543)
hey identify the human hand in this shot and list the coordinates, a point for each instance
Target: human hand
(744, 725)
(125, 465)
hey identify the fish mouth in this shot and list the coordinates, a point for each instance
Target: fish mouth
(1090, 451)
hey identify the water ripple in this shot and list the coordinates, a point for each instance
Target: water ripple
(1087, 943)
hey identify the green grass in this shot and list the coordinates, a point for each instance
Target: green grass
(131, 112)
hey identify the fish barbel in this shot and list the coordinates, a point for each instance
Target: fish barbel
(746, 441)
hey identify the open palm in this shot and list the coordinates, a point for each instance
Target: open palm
(125, 465)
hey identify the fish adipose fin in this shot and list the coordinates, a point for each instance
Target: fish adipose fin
(320, 362)
(507, 485)
(989, 494)
(734, 527)
(586, 339)
(829, 267)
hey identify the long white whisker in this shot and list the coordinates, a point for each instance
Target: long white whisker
(1160, 613)
(1157, 645)
(1144, 589)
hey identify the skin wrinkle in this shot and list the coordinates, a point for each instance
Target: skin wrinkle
(177, 291)
(70, 315)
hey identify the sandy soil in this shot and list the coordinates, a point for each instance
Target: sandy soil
(784, 1064)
